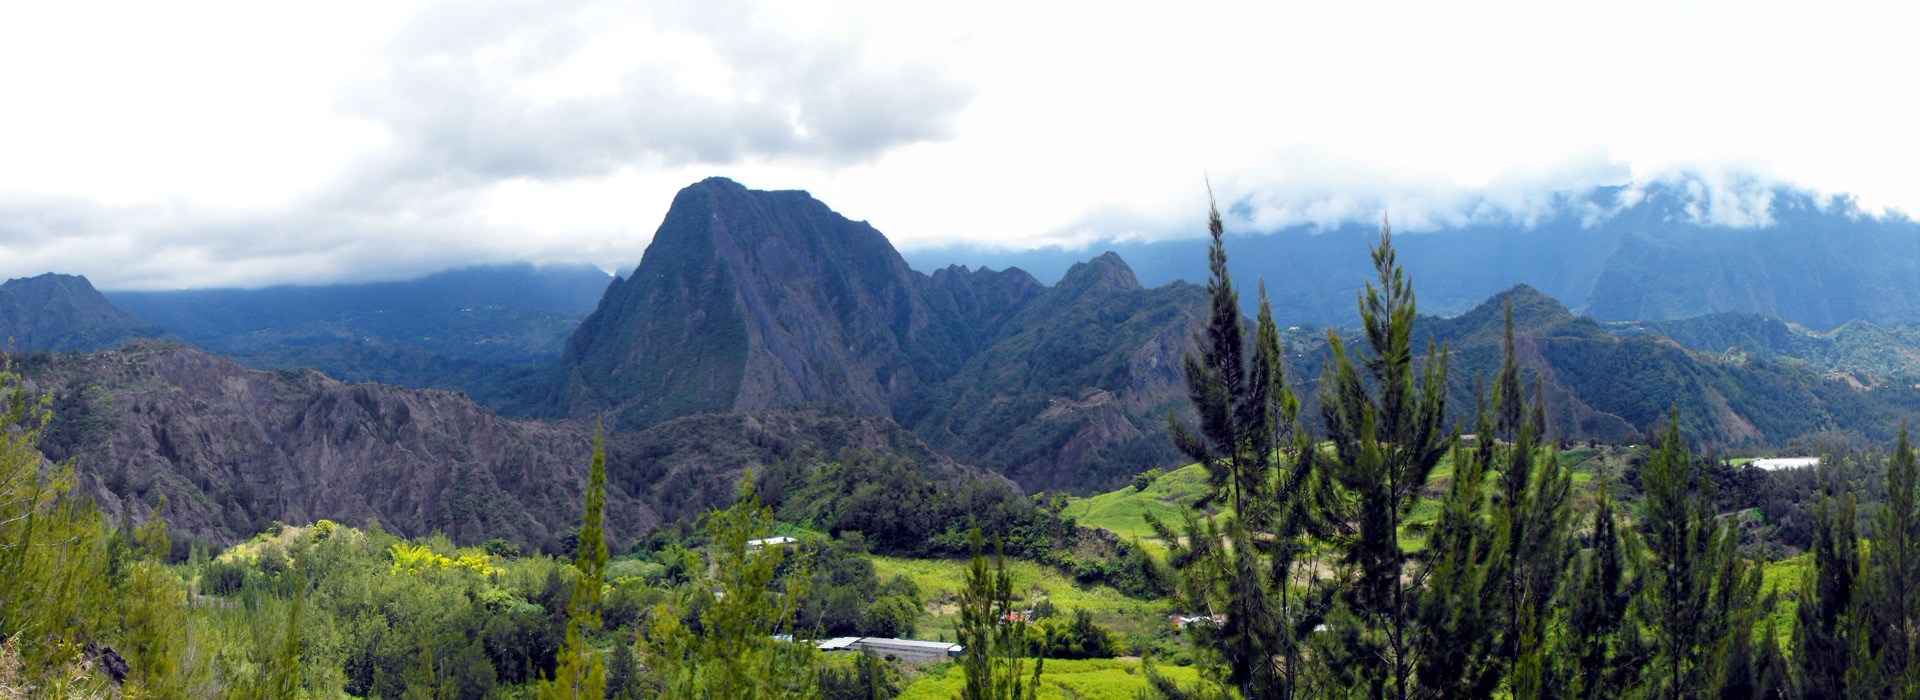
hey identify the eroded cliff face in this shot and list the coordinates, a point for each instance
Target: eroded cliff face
(232, 450)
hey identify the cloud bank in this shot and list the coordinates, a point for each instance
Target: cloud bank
(222, 143)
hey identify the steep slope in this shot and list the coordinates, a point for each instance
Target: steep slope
(748, 300)
(1074, 392)
(63, 312)
(232, 450)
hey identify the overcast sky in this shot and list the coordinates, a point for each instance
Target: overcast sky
(186, 144)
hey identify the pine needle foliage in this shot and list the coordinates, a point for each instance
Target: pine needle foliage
(1244, 569)
(1385, 413)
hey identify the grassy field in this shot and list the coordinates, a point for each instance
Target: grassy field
(1123, 512)
(940, 581)
(1094, 679)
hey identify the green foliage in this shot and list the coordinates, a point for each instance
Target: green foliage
(1076, 638)
(867, 678)
(746, 598)
(580, 672)
(1145, 479)
(1387, 432)
(993, 633)
(1244, 566)
(1822, 652)
(1700, 593)
(1887, 622)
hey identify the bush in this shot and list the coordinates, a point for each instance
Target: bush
(1146, 478)
(222, 578)
(1080, 638)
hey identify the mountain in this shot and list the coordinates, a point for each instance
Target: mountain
(233, 450)
(1075, 389)
(749, 300)
(487, 331)
(504, 313)
(1860, 352)
(64, 313)
(1612, 387)
(1615, 253)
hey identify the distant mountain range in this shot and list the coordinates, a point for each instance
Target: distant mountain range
(1613, 253)
(761, 327)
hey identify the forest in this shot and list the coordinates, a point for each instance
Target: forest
(1382, 548)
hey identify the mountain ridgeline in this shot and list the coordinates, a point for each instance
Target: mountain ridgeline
(749, 300)
(1613, 253)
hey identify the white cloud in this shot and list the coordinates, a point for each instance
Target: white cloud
(247, 143)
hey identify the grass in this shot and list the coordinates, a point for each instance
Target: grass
(1092, 679)
(1783, 577)
(1124, 512)
(940, 581)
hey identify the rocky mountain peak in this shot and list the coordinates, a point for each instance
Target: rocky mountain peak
(1104, 272)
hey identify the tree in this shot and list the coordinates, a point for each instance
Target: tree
(1532, 518)
(1822, 650)
(580, 672)
(1260, 464)
(1888, 632)
(994, 635)
(747, 598)
(1600, 651)
(1387, 429)
(1700, 592)
(1456, 606)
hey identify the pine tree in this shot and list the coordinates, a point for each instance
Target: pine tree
(1455, 607)
(1532, 518)
(747, 599)
(1885, 663)
(1387, 431)
(580, 672)
(1243, 566)
(993, 633)
(1600, 650)
(1700, 595)
(1822, 650)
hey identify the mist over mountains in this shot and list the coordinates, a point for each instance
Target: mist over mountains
(1614, 253)
(761, 325)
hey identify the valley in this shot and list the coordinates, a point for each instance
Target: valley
(305, 448)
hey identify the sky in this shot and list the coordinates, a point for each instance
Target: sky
(195, 144)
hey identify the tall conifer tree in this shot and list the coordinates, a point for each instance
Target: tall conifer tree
(580, 672)
(1886, 659)
(1260, 464)
(1387, 431)
(1822, 650)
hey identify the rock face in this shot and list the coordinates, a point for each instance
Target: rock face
(748, 301)
(232, 450)
(64, 312)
